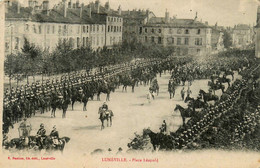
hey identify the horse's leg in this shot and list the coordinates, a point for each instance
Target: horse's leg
(107, 122)
(158, 92)
(110, 121)
(72, 104)
(108, 96)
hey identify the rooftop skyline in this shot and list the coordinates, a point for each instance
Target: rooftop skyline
(224, 12)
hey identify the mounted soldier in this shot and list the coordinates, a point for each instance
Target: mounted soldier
(41, 135)
(55, 136)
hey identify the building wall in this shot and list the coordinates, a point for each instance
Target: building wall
(47, 35)
(186, 40)
(114, 29)
(257, 42)
(242, 38)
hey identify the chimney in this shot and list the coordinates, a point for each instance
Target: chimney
(148, 15)
(65, 7)
(70, 4)
(119, 10)
(81, 9)
(45, 5)
(167, 17)
(107, 6)
(18, 7)
(77, 4)
(258, 16)
(97, 5)
(89, 11)
(207, 23)
(128, 12)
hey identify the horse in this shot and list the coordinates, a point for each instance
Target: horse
(196, 103)
(159, 141)
(19, 143)
(229, 72)
(64, 106)
(48, 143)
(154, 87)
(185, 113)
(55, 103)
(76, 96)
(216, 86)
(208, 96)
(223, 80)
(105, 115)
(105, 88)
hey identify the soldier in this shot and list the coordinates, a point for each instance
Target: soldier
(40, 135)
(182, 93)
(188, 92)
(55, 136)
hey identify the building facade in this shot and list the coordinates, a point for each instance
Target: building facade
(242, 36)
(188, 36)
(81, 25)
(133, 20)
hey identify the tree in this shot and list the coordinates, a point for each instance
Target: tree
(227, 39)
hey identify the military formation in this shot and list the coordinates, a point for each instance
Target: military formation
(25, 100)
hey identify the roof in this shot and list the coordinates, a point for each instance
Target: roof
(181, 23)
(56, 15)
(242, 27)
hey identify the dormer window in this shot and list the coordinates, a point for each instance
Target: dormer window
(187, 31)
(179, 31)
(198, 31)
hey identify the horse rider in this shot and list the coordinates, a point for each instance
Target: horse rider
(102, 109)
(182, 93)
(26, 128)
(55, 136)
(164, 127)
(40, 135)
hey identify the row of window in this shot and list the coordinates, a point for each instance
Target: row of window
(37, 29)
(114, 19)
(171, 40)
(170, 31)
(114, 28)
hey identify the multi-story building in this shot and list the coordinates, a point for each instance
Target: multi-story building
(188, 36)
(91, 25)
(133, 20)
(242, 36)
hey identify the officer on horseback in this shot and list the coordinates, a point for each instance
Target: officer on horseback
(103, 108)
(40, 135)
(55, 136)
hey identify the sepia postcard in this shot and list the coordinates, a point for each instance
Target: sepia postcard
(130, 83)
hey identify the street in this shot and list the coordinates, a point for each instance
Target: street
(132, 113)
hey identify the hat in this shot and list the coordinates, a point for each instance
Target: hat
(42, 125)
(54, 127)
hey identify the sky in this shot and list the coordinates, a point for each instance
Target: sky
(224, 12)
